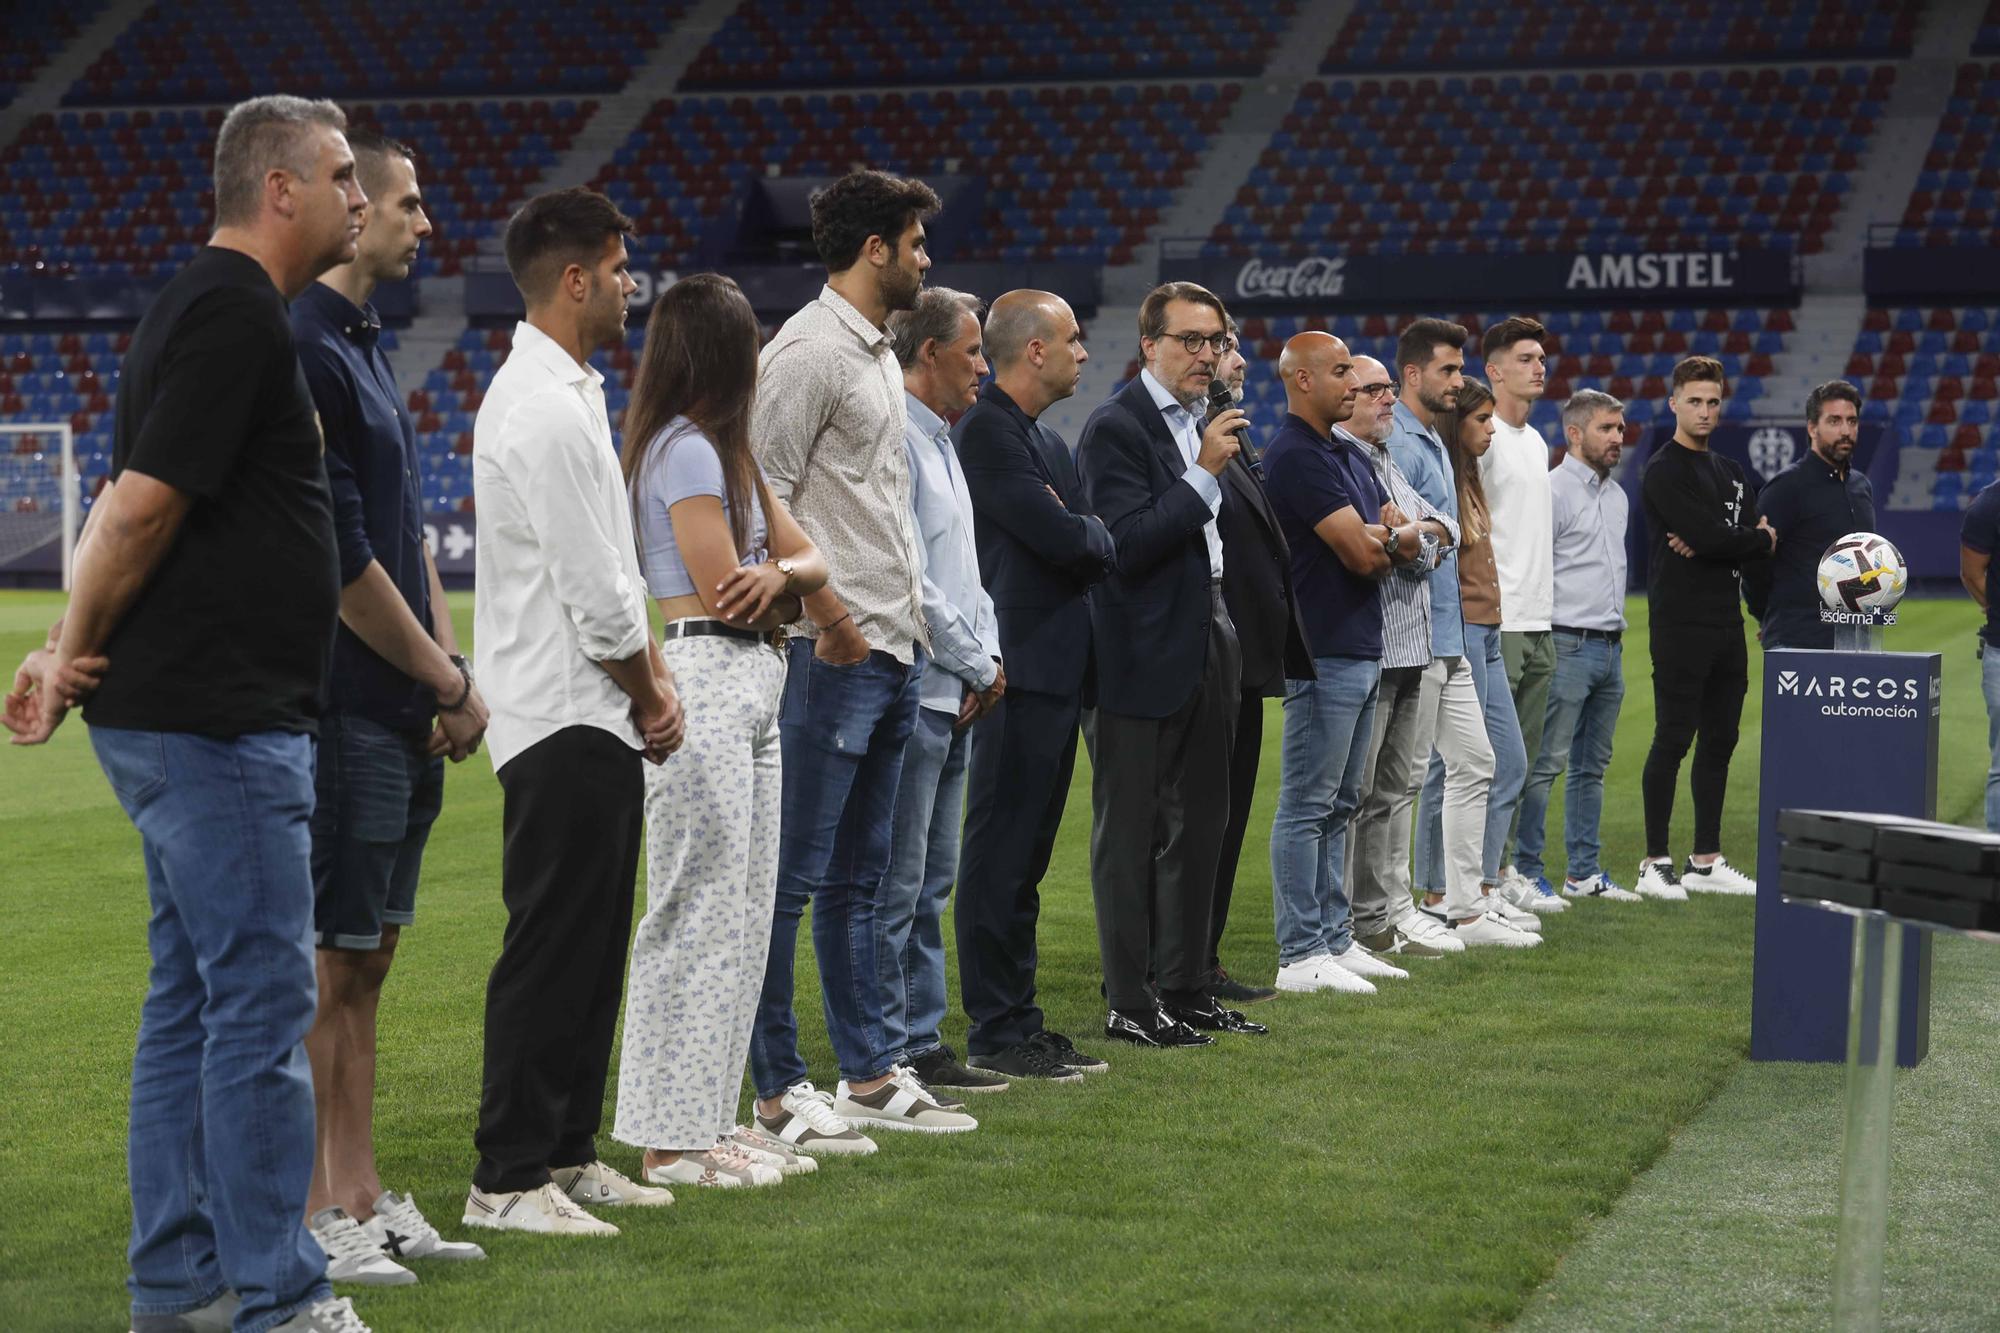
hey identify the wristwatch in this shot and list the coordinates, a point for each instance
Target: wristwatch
(1395, 541)
(786, 567)
(465, 674)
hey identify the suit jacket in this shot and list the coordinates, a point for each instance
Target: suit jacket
(1038, 554)
(1151, 617)
(1257, 583)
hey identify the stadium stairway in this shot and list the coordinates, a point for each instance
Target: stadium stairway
(67, 66)
(1815, 351)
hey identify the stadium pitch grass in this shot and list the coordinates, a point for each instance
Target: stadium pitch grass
(1422, 1158)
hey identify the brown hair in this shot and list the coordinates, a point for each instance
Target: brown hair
(554, 230)
(1472, 396)
(700, 362)
(1518, 328)
(1153, 310)
(1698, 370)
(1419, 343)
(866, 203)
(1833, 391)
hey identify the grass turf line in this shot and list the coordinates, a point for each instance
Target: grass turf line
(1421, 1158)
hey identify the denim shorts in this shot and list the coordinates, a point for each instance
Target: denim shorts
(378, 793)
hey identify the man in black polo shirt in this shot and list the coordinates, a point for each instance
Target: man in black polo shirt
(396, 667)
(205, 595)
(1814, 502)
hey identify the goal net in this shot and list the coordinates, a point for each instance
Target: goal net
(41, 502)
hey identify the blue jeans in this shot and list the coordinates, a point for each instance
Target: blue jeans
(1329, 723)
(923, 865)
(1584, 696)
(1510, 768)
(221, 1060)
(842, 731)
(1990, 679)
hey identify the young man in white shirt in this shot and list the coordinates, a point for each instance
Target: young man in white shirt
(578, 693)
(1515, 471)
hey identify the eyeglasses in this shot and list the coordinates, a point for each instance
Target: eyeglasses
(1217, 342)
(1384, 390)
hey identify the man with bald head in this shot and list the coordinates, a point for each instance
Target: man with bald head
(1330, 505)
(1039, 553)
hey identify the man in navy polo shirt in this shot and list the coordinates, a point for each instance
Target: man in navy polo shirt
(380, 780)
(1329, 503)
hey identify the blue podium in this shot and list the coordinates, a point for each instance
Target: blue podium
(1842, 731)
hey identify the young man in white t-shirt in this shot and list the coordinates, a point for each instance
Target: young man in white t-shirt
(1515, 471)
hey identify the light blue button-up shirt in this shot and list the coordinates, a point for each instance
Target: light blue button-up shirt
(1421, 455)
(1590, 514)
(1186, 428)
(965, 635)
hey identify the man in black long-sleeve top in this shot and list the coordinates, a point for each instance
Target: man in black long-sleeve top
(1038, 555)
(1698, 508)
(1814, 502)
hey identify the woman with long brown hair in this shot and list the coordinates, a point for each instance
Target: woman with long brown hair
(728, 565)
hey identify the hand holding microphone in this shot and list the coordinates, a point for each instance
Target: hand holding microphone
(1221, 435)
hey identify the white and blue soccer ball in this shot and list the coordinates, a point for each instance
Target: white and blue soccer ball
(1863, 571)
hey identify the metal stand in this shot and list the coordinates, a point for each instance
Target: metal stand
(1871, 1104)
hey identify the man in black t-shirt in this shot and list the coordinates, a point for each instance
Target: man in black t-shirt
(205, 592)
(1698, 521)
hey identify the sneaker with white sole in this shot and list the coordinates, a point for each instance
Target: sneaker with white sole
(1323, 972)
(544, 1210)
(902, 1103)
(806, 1123)
(1658, 880)
(1362, 963)
(598, 1185)
(351, 1256)
(334, 1316)
(1533, 895)
(1600, 886)
(1718, 876)
(1490, 928)
(725, 1166)
(1421, 925)
(1519, 918)
(402, 1231)
(771, 1151)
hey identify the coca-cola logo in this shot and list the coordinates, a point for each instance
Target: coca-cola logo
(1318, 276)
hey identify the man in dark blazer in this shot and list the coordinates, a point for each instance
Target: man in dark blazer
(1167, 674)
(1039, 553)
(1257, 589)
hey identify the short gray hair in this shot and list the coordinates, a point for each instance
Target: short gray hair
(935, 316)
(259, 135)
(1585, 404)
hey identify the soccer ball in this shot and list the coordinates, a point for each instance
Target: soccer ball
(1862, 572)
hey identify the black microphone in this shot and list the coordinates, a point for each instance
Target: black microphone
(1220, 400)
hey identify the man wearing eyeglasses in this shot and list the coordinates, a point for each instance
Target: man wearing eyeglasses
(1168, 672)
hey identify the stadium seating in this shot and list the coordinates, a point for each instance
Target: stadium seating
(831, 43)
(1495, 34)
(1934, 374)
(1954, 202)
(1505, 164)
(1987, 42)
(30, 44)
(395, 48)
(1073, 173)
(128, 191)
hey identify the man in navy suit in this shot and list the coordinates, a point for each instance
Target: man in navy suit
(1169, 672)
(1039, 553)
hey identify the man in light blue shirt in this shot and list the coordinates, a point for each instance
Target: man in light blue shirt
(937, 343)
(1590, 513)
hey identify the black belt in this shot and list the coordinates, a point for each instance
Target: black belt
(699, 629)
(1608, 635)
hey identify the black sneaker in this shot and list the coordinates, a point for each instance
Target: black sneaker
(1028, 1059)
(1229, 988)
(940, 1069)
(1066, 1052)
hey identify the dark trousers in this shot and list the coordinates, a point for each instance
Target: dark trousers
(1017, 782)
(1700, 675)
(1160, 803)
(572, 822)
(1245, 749)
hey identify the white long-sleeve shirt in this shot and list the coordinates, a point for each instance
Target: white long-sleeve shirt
(1515, 471)
(559, 588)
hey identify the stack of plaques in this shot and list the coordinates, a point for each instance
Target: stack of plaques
(1911, 868)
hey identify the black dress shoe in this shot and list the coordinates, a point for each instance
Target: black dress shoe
(1237, 992)
(1153, 1029)
(1212, 1017)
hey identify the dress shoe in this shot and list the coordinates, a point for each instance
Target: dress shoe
(1229, 988)
(1212, 1017)
(1153, 1029)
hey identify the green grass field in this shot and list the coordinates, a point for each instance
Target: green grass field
(1430, 1157)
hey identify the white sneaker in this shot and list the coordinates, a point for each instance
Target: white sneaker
(1718, 876)
(1519, 918)
(331, 1316)
(351, 1256)
(1531, 895)
(1600, 886)
(902, 1103)
(1657, 880)
(771, 1151)
(1425, 928)
(1302, 977)
(597, 1185)
(1362, 963)
(544, 1210)
(725, 1166)
(1491, 928)
(399, 1229)
(805, 1123)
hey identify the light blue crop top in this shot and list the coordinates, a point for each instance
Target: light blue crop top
(680, 464)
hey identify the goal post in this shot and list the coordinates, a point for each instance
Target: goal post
(41, 495)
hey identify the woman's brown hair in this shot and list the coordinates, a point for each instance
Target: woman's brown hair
(1472, 396)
